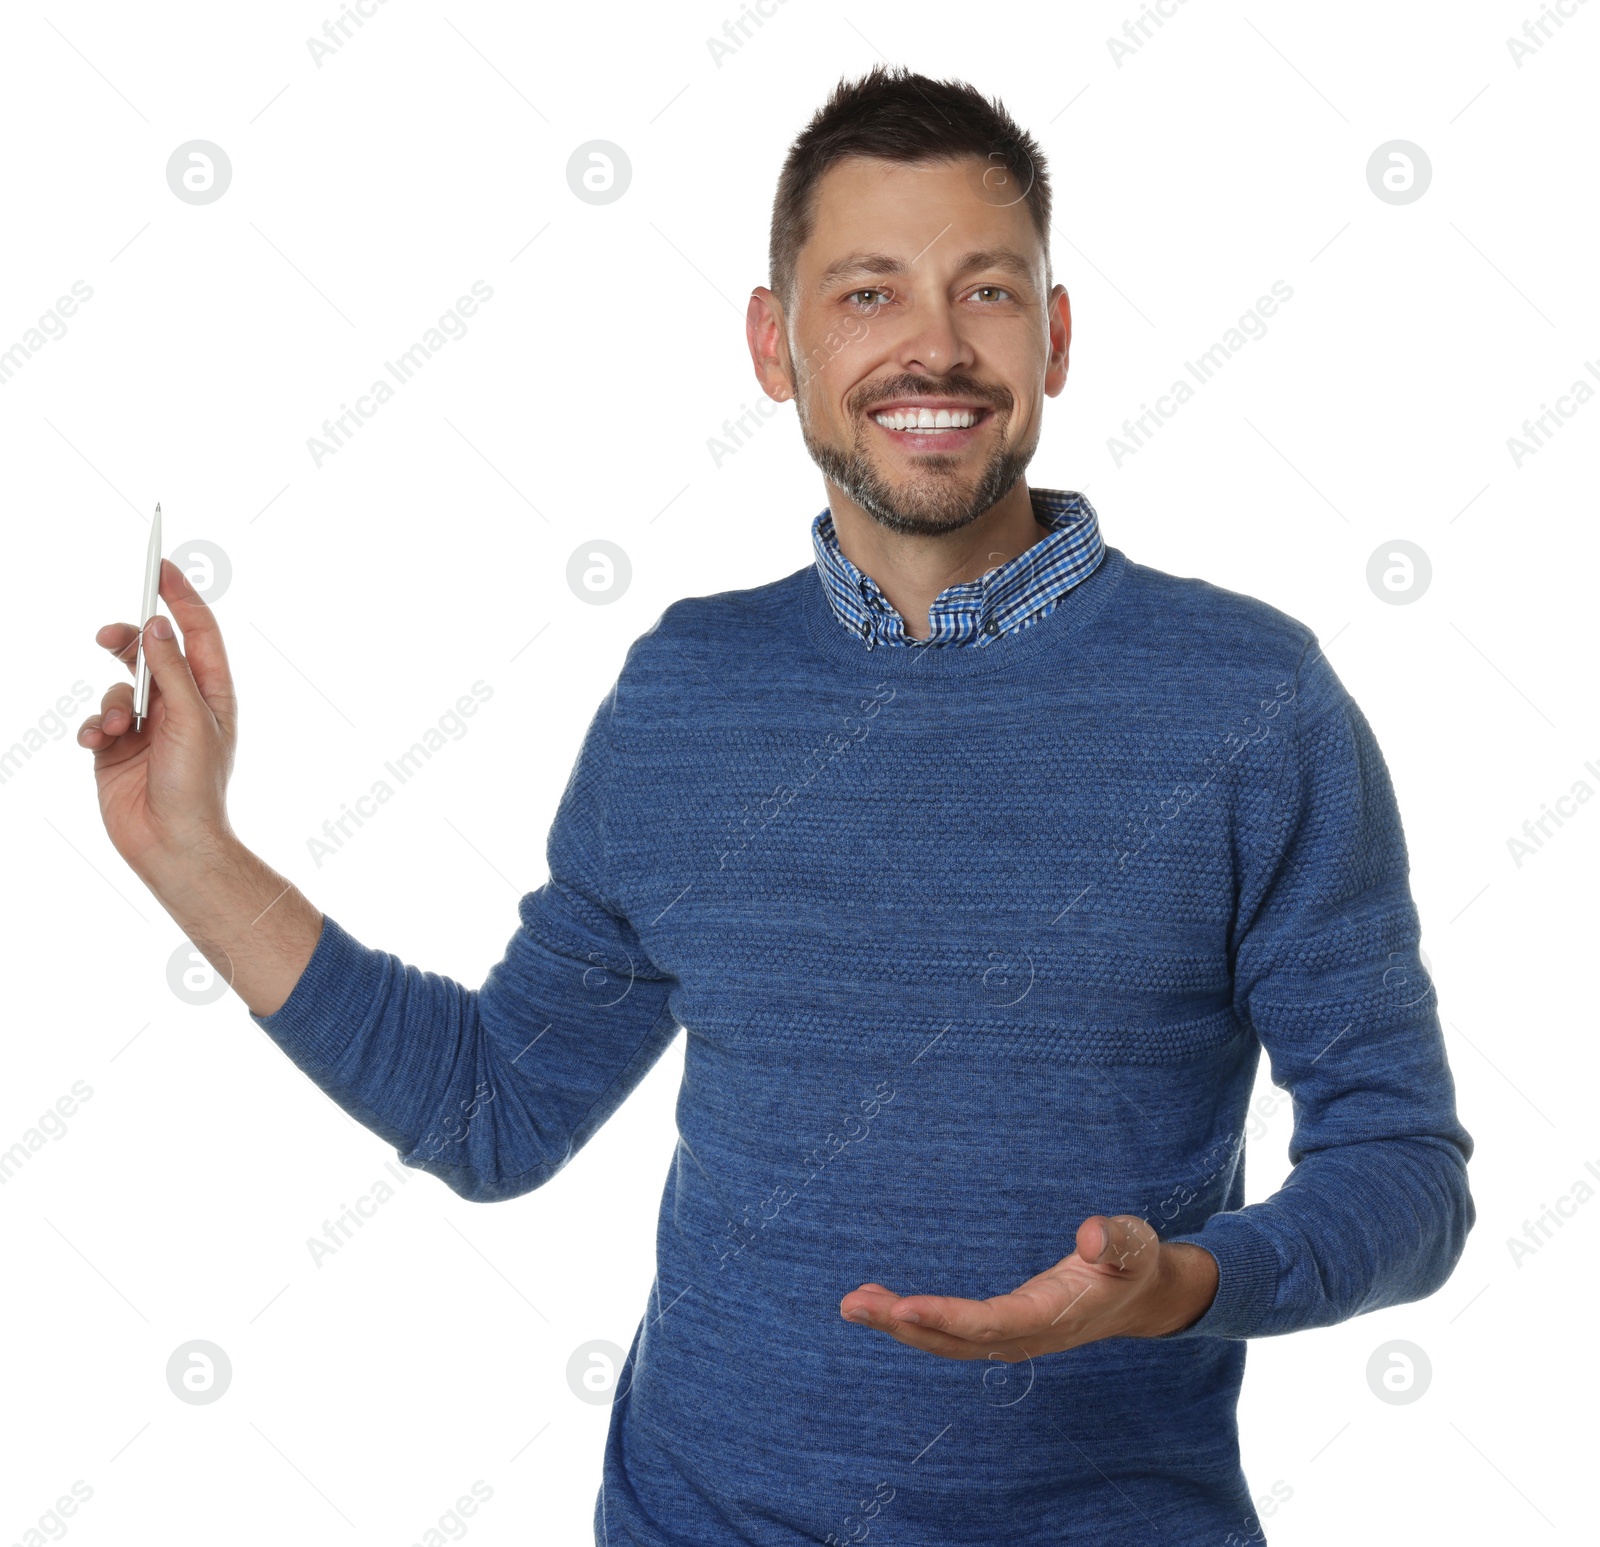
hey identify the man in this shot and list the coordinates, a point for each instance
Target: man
(979, 864)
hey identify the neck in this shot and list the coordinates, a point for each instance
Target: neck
(912, 569)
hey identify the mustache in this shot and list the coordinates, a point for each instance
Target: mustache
(962, 388)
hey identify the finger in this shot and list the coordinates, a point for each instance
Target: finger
(872, 1306)
(202, 639)
(931, 1341)
(1120, 1241)
(1025, 1311)
(122, 640)
(92, 736)
(981, 1321)
(170, 672)
(116, 709)
(868, 1303)
(115, 718)
(97, 737)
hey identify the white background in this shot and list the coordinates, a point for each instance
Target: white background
(369, 593)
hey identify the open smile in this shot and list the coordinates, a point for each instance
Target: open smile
(927, 427)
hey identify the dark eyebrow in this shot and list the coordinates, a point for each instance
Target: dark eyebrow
(865, 263)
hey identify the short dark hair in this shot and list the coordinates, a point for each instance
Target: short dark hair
(899, 116)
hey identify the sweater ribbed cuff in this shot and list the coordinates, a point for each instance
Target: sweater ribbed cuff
(334, 993)
(1247, 1277)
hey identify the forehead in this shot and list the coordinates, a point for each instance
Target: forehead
(928, 212)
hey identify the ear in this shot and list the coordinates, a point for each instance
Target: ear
(1059, 311)
(767, 336)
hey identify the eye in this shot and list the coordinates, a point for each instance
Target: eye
(870, 305)
(994, 289)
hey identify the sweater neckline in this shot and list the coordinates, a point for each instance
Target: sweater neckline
(1075, 610)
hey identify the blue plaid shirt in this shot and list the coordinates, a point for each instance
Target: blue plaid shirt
(1003, 600)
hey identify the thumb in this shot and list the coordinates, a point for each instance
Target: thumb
(1122, 1241)
(170, 670)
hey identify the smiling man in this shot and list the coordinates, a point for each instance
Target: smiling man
(979, 864)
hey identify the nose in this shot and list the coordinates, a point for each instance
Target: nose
(933, 342)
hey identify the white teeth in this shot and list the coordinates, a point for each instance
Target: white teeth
(915, 419)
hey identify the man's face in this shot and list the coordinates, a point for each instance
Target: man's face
(920, 292)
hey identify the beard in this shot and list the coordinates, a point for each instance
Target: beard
(936, 497)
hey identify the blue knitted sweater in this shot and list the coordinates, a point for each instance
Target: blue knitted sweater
(968, 944)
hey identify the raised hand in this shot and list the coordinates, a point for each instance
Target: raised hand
(163, 797)
(163, 788)
(1121, 1281)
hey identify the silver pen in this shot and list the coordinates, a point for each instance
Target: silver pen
(152, 594)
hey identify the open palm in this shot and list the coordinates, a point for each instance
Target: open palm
(1120, 1281)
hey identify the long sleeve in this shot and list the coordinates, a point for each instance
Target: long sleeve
(494, 1089)
(1326, 970)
